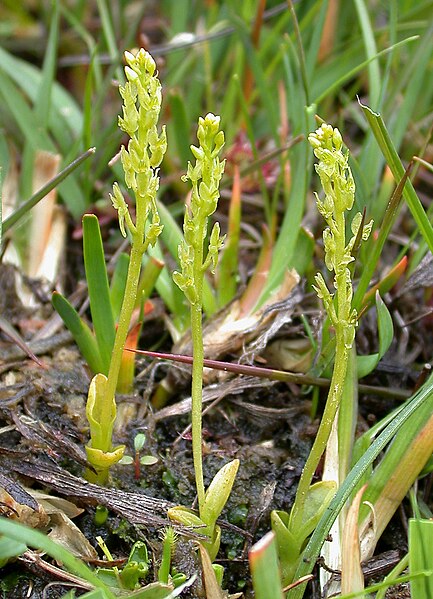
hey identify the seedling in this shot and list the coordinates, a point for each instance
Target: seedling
(145, 460)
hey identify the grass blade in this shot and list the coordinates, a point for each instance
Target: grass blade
(43, 103)
(65, 116)
(398, 470)
(117, 284)
(148, 280)
(371, 51)
(300, 165)
(366, 364)
(110, 37)
(99, 294)
(386, 145)
(180, 126)
(33, 538)
(80, 331)
(318, 537)
(420, 557)
(228, 271)
(375, 246)
(339, 83)
(37, 197)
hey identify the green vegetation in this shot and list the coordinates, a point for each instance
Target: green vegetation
(232, 290)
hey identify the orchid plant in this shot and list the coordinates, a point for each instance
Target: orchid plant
(338, 185)
(196, 255)
(142, 98)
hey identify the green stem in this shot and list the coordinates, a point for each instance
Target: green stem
(120, 339)
(338, 375)
(197, 369)
(319, 445)
(196, 396)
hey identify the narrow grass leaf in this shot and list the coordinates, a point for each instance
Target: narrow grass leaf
(22, 113)
(314, 47)
(255, 38)
(386, 145)
(396, 473)
(374, 247)
(248, 126)
(88, 119)
(286, 242)
(319, 535)
(371, 51)
(148, 280)
(180, 125)
(43, 103)
(80, 331)
(367, 364)
(229, 107)
(411, 88)
(33, 538)
(110, 36)
(260, 78)
(302, 118)
(391, 578)
(37, 197)
(117, 284)
(420, 557)
(228, 265)
(65, 115)
(28, 80)
(338, 83)
(302, 259)
(170, 293)
(99, 294)
(403, 101)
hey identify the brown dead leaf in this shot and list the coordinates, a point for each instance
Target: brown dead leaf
(352, 578)
(67, 534)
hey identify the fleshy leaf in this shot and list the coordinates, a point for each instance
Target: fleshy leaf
(218, 492)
